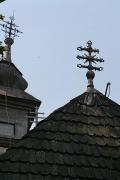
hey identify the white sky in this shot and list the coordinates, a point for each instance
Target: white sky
(46, 51)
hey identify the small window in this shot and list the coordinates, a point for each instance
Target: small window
(7, 129)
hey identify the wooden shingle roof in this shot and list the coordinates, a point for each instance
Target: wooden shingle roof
(79, 141)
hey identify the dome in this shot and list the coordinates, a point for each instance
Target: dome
(11, 77)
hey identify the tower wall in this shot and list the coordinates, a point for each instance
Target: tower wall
(15, 121)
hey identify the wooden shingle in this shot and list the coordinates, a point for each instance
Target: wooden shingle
(79, 141)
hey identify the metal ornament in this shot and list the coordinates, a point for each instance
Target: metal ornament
(11, 31)
(10, 28)
(90, 58)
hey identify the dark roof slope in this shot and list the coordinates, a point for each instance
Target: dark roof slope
(17, 94)
(79, 141)
(10, 76)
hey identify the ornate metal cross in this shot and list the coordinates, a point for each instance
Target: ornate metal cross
(11, 31)
(10, 28)
(89, 57)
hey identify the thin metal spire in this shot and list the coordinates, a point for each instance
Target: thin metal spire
(11, 31)
(90, 58)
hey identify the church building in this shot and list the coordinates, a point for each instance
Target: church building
(16, 105)
(79, 141)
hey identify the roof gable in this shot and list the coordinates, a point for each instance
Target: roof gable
(80, 140)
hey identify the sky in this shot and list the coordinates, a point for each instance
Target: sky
(46, 51)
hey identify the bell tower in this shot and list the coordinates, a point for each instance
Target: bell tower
(15, 103)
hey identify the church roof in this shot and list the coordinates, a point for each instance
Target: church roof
(79, 141)
(13, 85)
(17, 94)
(11, 77)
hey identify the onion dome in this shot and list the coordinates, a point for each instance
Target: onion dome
(11, 77)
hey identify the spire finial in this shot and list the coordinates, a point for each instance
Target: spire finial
(90, 58)
(11, 31)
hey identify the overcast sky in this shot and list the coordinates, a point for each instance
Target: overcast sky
(46, 51)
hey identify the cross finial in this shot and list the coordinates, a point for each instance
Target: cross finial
(89, 58)
(11, 31)
(10, 28)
